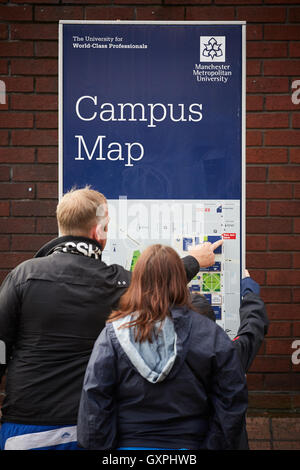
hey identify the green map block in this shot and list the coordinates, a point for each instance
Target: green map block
(135, 257)
(211, 282)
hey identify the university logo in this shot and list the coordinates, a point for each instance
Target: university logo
(212, 48)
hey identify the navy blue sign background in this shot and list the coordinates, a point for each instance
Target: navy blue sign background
(182, 160)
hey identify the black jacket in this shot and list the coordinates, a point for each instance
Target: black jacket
(52, 309)
(185, 389)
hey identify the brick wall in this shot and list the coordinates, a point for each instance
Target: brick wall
(28, 151)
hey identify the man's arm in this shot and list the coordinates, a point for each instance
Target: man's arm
(200, 256)
(253, 323)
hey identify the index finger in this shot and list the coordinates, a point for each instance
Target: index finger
(216, 244)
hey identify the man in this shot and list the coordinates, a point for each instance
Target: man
(52, 309)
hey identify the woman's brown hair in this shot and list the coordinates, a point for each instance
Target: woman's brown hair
(158, 283)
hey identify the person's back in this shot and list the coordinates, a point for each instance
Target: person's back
(161, 375)
(61, 304)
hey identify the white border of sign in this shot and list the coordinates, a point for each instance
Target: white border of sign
(243, 100)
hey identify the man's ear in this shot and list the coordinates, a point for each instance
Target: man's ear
(99, 233)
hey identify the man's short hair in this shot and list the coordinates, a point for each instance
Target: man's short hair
(79, 210)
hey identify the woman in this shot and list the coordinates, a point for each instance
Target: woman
(161, 375)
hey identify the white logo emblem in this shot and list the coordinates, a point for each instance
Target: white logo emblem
(212, 48)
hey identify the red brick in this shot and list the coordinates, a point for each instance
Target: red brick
(270, 364)
(253, 138)
(296, 295)
(134, 2)
(46, 84)
(258, 428)
(296, 120)
(4, 211)
(4, 242)
(267, 120)
(256, 173)
(261, 14)
(294, 15)
(34, 137)
(286, 428)
(285, 208)
(16, 225)
(279, 103)
(254, 103)
(294, 49)
(34, 102)
(283, 278)
(268, 85)
(46, 120)
(4, 173)
(256, 208)
(160, 13)
(253, 67)
(261, 49)
(3, 31)
(44, 1)
(266, 155)
(288, 137)
(16, 191)
(34, 66)
(34, 31)
(14, 49)
(238, 2)
(16, 155)
(3, 67)
(278, 346)
(269, 191)
(47, 155)
(283, 311)
(269, 401)
(255, 242)
(210, 13)
(15, 13)
(46, 225)
(296, 260)
(33, 208)
(259, 275)
(3, 137)
(276, 294)
(56, 13)
(19, 84)
(281, 32)
(286, 445)
(46, 49)
(112, 13)
(255, 381)
(284, 242)
(35, 173)
(282, 67)
(296, 328)
(278, 225)
(254, 32)
(294, 155)
(47, 191)
(284, 173)
(269, 260)
(16, 120)
(280, 329)
(28, 242)
(11, 260)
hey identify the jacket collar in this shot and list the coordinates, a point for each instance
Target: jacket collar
(54, 244)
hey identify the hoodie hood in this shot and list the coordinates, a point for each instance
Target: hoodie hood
(155, 360)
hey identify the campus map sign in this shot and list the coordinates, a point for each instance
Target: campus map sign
(152, 116)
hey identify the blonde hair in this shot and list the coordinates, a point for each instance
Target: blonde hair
(79, 210)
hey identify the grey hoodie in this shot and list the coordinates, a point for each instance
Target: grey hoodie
(153, 360)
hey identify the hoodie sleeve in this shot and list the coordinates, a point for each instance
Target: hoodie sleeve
(228, 397)
(9, 314)
(97, 416)
(253, 323)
